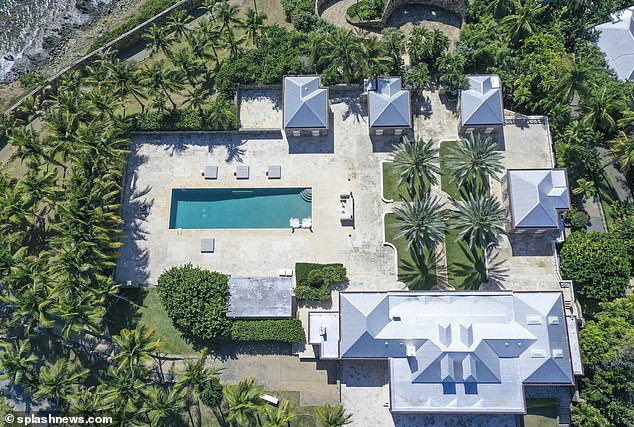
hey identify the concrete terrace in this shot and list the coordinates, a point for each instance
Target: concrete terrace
(346, 160)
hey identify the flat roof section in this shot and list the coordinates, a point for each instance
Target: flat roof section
(260, 297)
(324, 331)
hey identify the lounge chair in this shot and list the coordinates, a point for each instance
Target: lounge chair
(210, 172)
(294, 223)
(307, 223)
(241, 172)
(207, 245)
(274, 172)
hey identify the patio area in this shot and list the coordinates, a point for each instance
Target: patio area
(347, 160)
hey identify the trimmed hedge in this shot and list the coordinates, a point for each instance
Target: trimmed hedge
(197, 301)
(221, 116)
(314, 281)
(287, 330)
(147, 10)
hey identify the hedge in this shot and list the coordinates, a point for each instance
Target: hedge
(197, 301)
(147, 10)
(314, 281)
(221, 116)
(287, 330)
(310, 293)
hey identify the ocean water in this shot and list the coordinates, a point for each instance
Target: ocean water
(205, 208)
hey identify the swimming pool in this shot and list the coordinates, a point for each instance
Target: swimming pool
(200, 208)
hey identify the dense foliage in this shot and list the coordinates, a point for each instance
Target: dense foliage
(147, 10)
(196, 300)
(315, 281)
(221, 115)
(607, 343)
(287, 330)
(366, 10)
(597, 263)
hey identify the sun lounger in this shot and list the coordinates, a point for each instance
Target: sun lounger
(210, 172)
(294, 223)
(286, 272)
(307, 223)
(207, 245)
(242, 172)
(270, 399)
(274, 172)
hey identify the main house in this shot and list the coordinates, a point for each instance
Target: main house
(480, 105)
(458, 352)
(616, 41)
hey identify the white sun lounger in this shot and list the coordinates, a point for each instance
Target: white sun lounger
(207, 245)
(210, 172)
(286, 272)
(241, 172)
(274, 172)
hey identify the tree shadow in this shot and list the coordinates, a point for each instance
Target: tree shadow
(473, 270)
(421, 272)
(423, 105)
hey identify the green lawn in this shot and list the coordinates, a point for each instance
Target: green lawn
(145, 307)
(465, 267)
(541, 413)
(416, 275)
(391, 189)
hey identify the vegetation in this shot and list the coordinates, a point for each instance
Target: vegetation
(197, 301)
(598, 264)
(290, 330)
(147, 10)
(366, 10)
(333, 416)
(315, 281)
(221, 115)
(31, 80)
(421, 223)
(415, 163)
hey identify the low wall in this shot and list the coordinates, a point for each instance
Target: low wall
(458, 7)
(122, 42)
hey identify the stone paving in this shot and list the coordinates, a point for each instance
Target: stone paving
(260, 108)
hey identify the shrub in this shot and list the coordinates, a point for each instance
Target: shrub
(147, 10)
(196, 300)
(211, 394)
(314, 281)
(333, 273)
(576, 219)
(310, 293)
(366, 10)
(315, 278)
(287, 330)
(597, 263)
(219, 116)
(31, 80)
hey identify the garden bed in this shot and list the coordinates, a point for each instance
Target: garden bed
(315, 281)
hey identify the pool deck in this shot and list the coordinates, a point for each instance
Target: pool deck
(348, 160)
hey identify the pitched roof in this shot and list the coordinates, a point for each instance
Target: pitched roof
(389, 104)
(305, 103)
(481, 104)
(616, 41)
(260, 297)
(459, 352)
(537, 196)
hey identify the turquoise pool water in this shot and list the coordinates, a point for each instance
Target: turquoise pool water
(200, 208)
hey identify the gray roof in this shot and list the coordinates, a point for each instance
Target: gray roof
(616, 41)
(323, 330)
(389, 105)
(537, 196)
(481, 104)
(305, 103)
(260, 297)
(459, 352)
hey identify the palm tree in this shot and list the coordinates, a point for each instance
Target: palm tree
(232, 42)
(178, 23)
(502, 8)
(522, 23)
(585, 188)
(57, 382)
(601, 110)
(473, 160)
(421, 223)
(415, 162)
(341, 51)
(394, 42)
(333, 416)
(452, 73)
(27, 146)
(253, 25)
(418, 78)
(161, 79)
(278, 417)
(135, 346)
(103, 103)
(377, 62)
(622, 148)
(226, 14)
(243, 401)
(164, 408)
(210, 6)
(17, 361)
(188, 64)
(480, 220)
(158, 39)
(125, 78)
(574, 77)
(89, 401)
